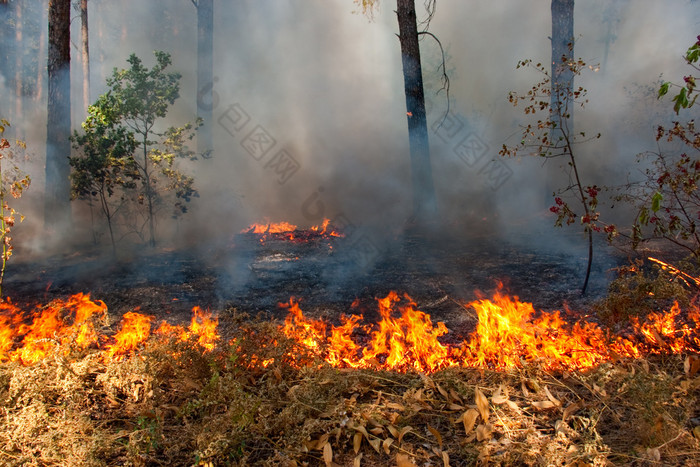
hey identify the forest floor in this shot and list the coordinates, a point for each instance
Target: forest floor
(259, 397)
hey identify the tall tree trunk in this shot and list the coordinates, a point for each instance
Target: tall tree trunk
(19, 56)
(205, 74)
(41, 58)
(57, 209)
(562, 52)
(85, 53)
(7, 53)
(562, 84)
(424, 204)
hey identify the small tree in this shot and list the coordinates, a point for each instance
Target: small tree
(12, 182)
(552, 138)
(105, 163)
(668, 201)
(122, 142)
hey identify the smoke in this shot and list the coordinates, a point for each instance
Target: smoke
(322, 85)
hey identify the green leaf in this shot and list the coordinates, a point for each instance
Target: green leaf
(656, 201)
(643, 216)
(663, 90)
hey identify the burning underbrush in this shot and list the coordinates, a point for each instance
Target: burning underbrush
(284, 231)
(525, 387)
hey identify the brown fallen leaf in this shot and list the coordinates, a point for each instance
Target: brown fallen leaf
(554, 400)
(437, 435)
(571, 409)
(543, 405)
(328, 454)
(357, 442)
(691, 365)
(445, 459)
(356, 461)
(403, 460)
(405, 430)
(484, 432)
(482, 404)
(386, 445)
(498, 397)
(469, 419)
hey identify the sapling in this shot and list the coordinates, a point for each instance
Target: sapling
(13, 181)
(552, 137)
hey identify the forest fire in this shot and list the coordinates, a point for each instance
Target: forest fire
(509, 334)
(74, 322)
(290, 232)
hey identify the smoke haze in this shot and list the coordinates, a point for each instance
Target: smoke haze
(325, 82)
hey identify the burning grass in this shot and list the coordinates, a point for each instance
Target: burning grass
(310, 392)
(284, 231)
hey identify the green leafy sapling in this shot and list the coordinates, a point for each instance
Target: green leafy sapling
(13, 181)
(135, 154)
(104, 163)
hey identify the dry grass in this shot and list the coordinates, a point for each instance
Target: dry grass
(174, 404)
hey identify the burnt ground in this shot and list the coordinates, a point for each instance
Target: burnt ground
(247, 276)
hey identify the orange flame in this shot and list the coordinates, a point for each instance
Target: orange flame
(509, 334)
(58, 323)
(70, 324)
(290, 232)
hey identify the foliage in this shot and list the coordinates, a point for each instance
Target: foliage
(668, 200)
(13, 181)
(123, 148)
(106, 162)
(552, 137)
(685, 98)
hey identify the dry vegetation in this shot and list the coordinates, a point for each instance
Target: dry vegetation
(261, 399)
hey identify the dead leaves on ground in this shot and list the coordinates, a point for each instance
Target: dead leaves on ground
(459, 416)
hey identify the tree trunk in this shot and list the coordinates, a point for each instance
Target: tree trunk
(562, 83)
(7, 54)
(41, 58)
(85, 53)
(57, 209)
(19, 56)
(424, 204)
(205, 74)
(562, 52)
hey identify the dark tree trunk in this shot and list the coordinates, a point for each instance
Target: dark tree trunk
(424, 204)
(205, 74)
(85, 53)
(19, 68)
(562, 52)
(7, 53)
(57, 214)
(561, 85)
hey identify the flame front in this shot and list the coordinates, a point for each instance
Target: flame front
(509, 334)
(71, 323)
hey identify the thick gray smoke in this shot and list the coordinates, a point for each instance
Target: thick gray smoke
(321, 86)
